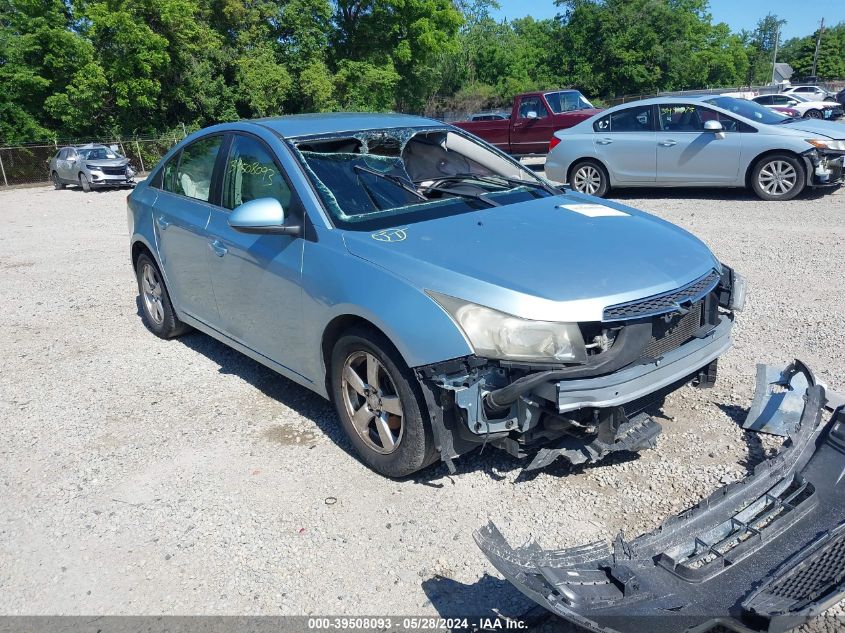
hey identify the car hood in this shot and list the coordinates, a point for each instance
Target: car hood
(106, 162)
(814, 126)
(547, 259)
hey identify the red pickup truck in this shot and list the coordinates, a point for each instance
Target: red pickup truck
(535, 118)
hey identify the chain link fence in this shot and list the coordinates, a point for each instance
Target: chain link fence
(29, 163)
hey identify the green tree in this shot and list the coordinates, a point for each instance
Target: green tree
(798, 52)
(50, 76)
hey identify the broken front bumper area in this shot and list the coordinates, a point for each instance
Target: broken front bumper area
(764, 554)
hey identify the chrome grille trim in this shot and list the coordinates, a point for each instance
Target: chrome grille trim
(663, 303)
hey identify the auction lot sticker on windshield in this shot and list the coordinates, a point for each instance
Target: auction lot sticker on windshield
(594, 210)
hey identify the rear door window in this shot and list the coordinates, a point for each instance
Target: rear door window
(195, 169)
(637, 119)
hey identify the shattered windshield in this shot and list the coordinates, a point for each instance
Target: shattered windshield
(97, 153)
(567, 101)
(384, 178)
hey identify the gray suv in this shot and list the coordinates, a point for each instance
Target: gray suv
(90, 166)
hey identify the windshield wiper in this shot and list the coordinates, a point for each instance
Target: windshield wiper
(396, 180)
(492, 178)
(468, 196)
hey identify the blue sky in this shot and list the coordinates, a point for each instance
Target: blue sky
(802, 17)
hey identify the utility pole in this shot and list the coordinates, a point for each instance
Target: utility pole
(818, 45)
(775, 56)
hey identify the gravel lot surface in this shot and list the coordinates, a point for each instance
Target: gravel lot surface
(139, 476)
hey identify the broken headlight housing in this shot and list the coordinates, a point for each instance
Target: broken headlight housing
(497, 335)
(825, 143)
(734, 290)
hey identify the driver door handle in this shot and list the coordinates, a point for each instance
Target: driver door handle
(668, 143)
(162, 223)
(218, 247)
(604, 141)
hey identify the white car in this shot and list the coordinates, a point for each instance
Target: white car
(814, 92)
(807, 107)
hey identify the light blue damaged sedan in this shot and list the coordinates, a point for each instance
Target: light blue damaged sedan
(711, 141)
(439, 293)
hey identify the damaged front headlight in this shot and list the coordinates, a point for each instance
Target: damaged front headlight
(494, 334)
(734, 290)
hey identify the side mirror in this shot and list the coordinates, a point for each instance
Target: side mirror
(262, 216)
(715, 127)
(532, 115)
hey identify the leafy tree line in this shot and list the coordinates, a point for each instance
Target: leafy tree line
(72, 68)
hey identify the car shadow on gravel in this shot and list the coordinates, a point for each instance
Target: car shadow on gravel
(273, 385)
(489, 598)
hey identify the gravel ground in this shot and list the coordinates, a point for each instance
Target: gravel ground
(148, 477)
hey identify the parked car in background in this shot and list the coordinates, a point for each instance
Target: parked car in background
(840, 97)
(703, 142)
(807, 107)
(440, 293)
(489, 116)
(814, 93)
(90, 166)
(788, 112)
(534, 119)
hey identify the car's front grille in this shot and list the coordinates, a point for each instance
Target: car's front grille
(663, 303)
(670, 334)
(114, 171)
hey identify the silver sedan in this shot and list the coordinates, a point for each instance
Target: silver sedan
(702, 142)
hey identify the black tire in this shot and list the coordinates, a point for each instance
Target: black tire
(415, 447)
(764, 177)
(167, 325)
(57, 182)
(589, 177)
(813, 114)
(84, 182)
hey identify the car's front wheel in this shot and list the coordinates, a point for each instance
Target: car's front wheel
(380, 405)
(813, 114)
(778, 177)
(588, 176)
(156, 309)
(57, 182)
(84, 182)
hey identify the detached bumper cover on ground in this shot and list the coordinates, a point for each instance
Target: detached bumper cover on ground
(764, 554)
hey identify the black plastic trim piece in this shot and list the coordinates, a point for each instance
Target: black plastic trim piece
(764, 554)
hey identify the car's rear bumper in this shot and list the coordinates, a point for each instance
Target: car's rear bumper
(638, 381)
(763, 554)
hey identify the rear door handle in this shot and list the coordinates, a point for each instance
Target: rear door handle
(162, 223)
(667, 143)
(218, 247)
(604, 141)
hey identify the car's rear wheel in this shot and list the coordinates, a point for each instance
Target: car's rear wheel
(814, 114)
(57, 182)
(588, 176)
(380, 404)
(84, 182)
(156, 309)
(778, 177)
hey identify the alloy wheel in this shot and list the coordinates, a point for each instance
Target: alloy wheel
(587, 180)
(815, 114)
(777, 178)
(151, 286)
(372, 402)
